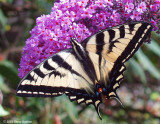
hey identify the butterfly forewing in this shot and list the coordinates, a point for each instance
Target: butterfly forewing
(56, 75)
(116, 45)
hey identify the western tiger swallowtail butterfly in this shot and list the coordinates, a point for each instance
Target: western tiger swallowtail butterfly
(89, 71)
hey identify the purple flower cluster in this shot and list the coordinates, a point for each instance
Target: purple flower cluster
(80, 19)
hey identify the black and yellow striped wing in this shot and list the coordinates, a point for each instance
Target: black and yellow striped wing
(111, 48)
(49, 78)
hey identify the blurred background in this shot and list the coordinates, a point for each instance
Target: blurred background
(139, 92)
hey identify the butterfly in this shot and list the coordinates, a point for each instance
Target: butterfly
(89, 72)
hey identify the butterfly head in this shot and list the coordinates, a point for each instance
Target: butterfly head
(78, 48)
(74, 42)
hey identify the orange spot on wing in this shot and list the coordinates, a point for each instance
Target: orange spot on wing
(100, 90)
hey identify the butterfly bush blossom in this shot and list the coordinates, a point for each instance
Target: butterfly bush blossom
(81, 19)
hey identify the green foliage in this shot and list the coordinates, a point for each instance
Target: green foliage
(45, 6)
(137, 70)
(155, 36)
(3, 20)
(6, 1)
(147, 64)
(3, 86)
(154, 47)
(9, 71)
(70, 109)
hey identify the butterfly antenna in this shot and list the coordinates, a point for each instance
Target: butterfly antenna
(73, 32)
(75, 36)
(119, 100)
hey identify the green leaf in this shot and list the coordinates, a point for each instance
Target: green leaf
(3, 86)
(154, 47)
(3, 19)
(128, 75)
(10, 1)
(7, 1)
(3, 112)
(44, 6)
(147, 64)
(155, 36)
(9, 71)
(1, 97)
(70, 109)
(137, 70)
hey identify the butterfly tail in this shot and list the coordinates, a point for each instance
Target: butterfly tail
(96, 105)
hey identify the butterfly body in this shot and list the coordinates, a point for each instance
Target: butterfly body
(89, 71)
